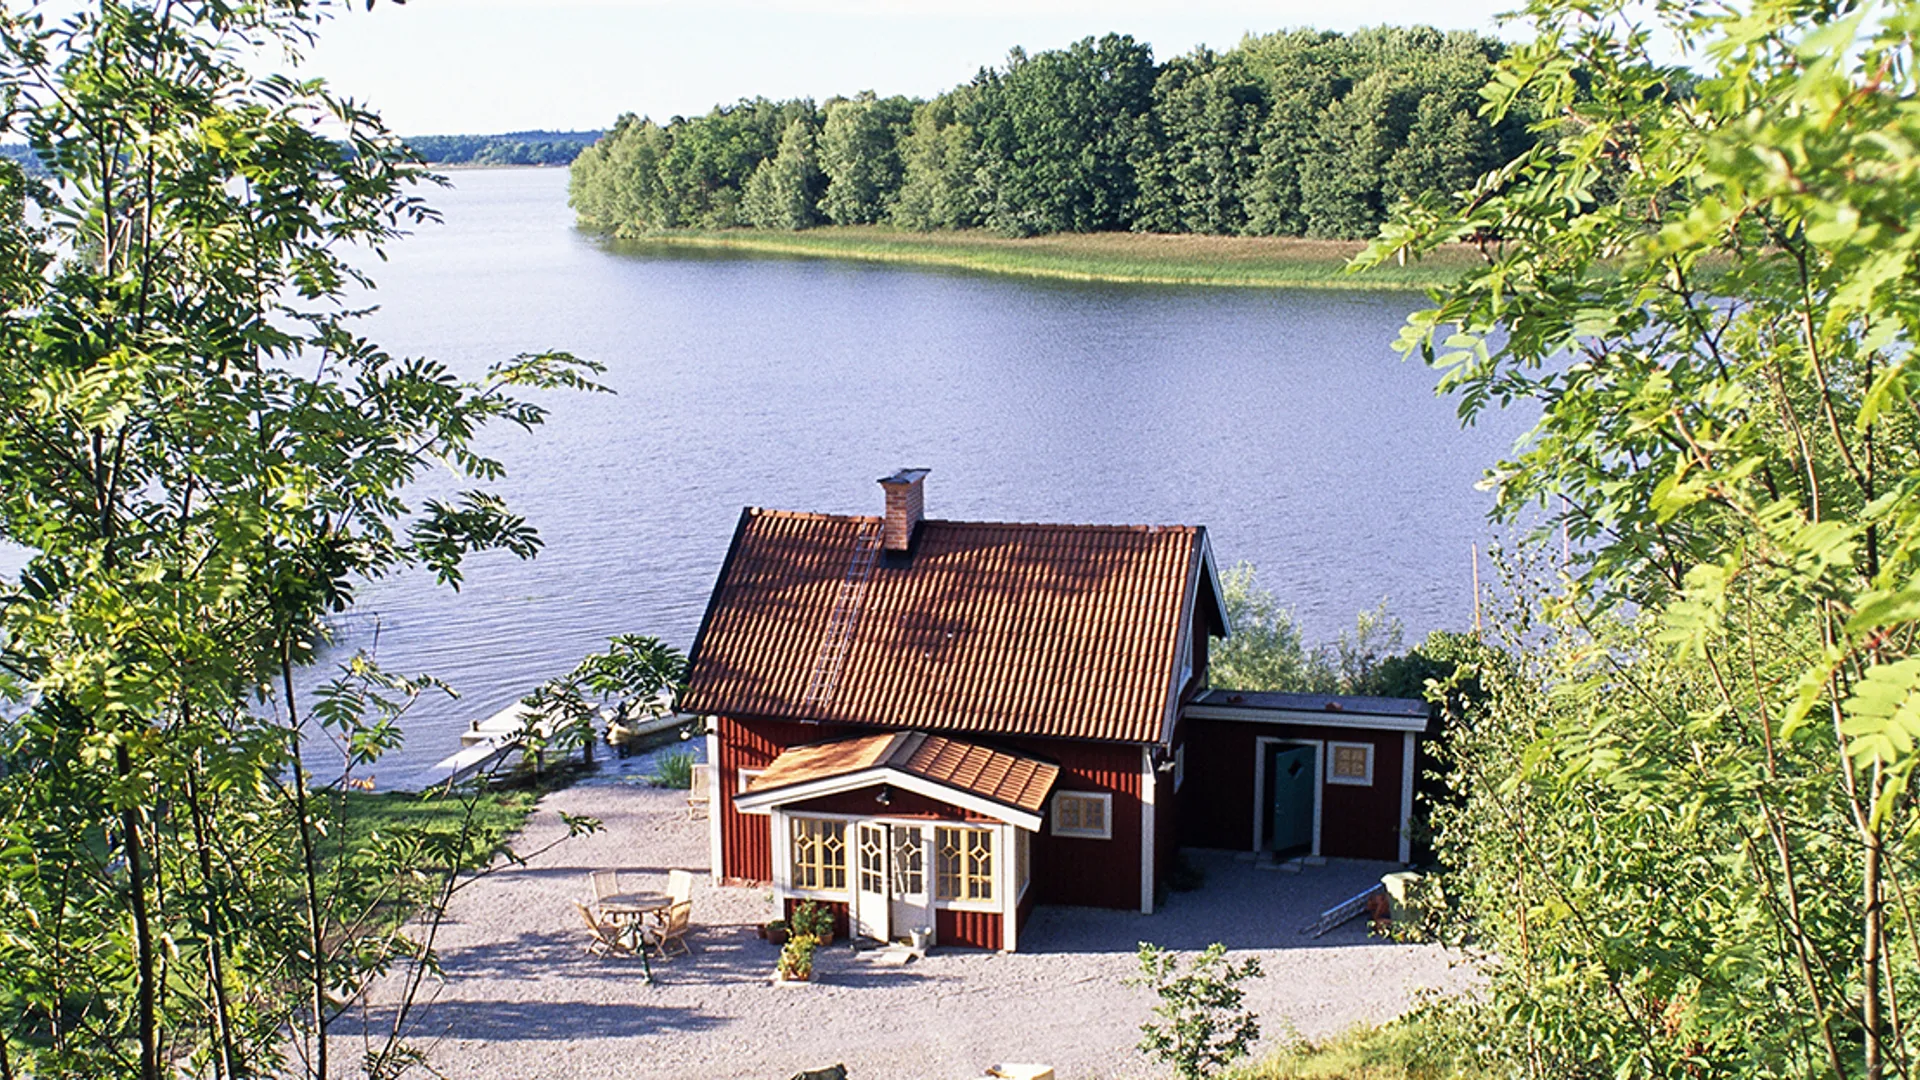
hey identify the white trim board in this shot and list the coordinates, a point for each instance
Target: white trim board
(1407, 762)
(1147, 832)
(761, 802)
(1308, 718)
(715, 859)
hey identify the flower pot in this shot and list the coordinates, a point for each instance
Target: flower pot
(777, 935)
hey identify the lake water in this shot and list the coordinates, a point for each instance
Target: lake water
(1282, 421)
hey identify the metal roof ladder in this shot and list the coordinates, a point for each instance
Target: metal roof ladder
(841, 621)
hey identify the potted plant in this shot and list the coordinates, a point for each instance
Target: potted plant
(796, 958)
(814, 920)
(775, 931)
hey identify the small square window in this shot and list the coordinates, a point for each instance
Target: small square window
(1350, 763)
(1083, 813)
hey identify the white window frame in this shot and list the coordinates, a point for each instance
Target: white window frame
(1022, 864)
(848, 826)
(1105, 799)
(997, 879)
(1333, 755)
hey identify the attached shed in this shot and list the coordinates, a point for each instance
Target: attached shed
(1307, 774)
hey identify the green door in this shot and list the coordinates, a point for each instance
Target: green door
(1291, 777)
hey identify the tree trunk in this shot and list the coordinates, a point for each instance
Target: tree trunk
(146, 1022)
(224, 1058)
(1873, 932)
(309, 867)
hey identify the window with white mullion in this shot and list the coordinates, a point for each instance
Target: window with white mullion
(819, 854)
(1084, 814)
(963, 864)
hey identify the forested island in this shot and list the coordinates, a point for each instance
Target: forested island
(1299, 133)
(512, 148)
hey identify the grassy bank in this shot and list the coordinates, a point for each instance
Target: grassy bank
(1150, 258)
(1411, 1048)
(392, 848)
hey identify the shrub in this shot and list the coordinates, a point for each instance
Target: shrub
(796, 957)
(674, 770)
(1199, 1025)
(814, 920)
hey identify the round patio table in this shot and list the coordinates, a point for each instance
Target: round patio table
(633, 905)
(629, 911)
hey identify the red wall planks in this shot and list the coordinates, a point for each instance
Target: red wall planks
(745, 845)
(1092, 873)
(979, 929)
(1364, 822)
(900, 804)
(1356, 822)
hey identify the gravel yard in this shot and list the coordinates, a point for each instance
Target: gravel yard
(521, 998)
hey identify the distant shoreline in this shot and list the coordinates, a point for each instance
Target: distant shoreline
(1140, 258)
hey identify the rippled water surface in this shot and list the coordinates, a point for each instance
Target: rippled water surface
(1282, 421)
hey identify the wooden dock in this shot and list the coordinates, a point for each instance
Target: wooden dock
(487, 743)
(491, 742)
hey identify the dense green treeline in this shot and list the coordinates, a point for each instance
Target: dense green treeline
(1297, 133)
(512, 148)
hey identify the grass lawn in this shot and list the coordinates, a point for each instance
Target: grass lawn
(1153, 258)
(390, 848)
(1408, 1049)
(496, 814)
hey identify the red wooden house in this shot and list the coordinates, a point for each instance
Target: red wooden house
(938, 725)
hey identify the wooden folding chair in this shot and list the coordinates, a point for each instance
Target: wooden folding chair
(680, 886)
(605, 883)
(608, 940)
(670, 931)
(697, 797)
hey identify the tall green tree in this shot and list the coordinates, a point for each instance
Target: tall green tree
(709, 159)
(1059, 134)
(938, 184)
(784, 191)
(202, 460)
(1687, 827)
(860, 155)
(615, 184)
(1202, 147)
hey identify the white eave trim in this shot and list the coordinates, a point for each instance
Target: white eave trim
(763, 802)
(1212, 570)
(1329, 718)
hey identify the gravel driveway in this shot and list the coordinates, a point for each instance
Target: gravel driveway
(522, 999)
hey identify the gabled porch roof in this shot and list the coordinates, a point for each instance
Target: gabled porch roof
(1006, 786)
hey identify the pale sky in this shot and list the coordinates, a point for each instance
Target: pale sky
(486, 66)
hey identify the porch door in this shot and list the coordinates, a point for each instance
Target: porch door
(1292, 775)
(870, 888)
(912, 906)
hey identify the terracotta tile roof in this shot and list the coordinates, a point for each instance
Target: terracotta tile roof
(1010, 779)
(1068, 631)
(820, 760)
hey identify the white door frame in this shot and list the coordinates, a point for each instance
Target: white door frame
(1261, 811)
(920, 903)
(872, 911)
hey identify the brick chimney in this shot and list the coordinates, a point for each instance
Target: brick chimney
(906, 505)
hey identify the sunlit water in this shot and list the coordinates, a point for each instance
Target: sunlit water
(1282, 421)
